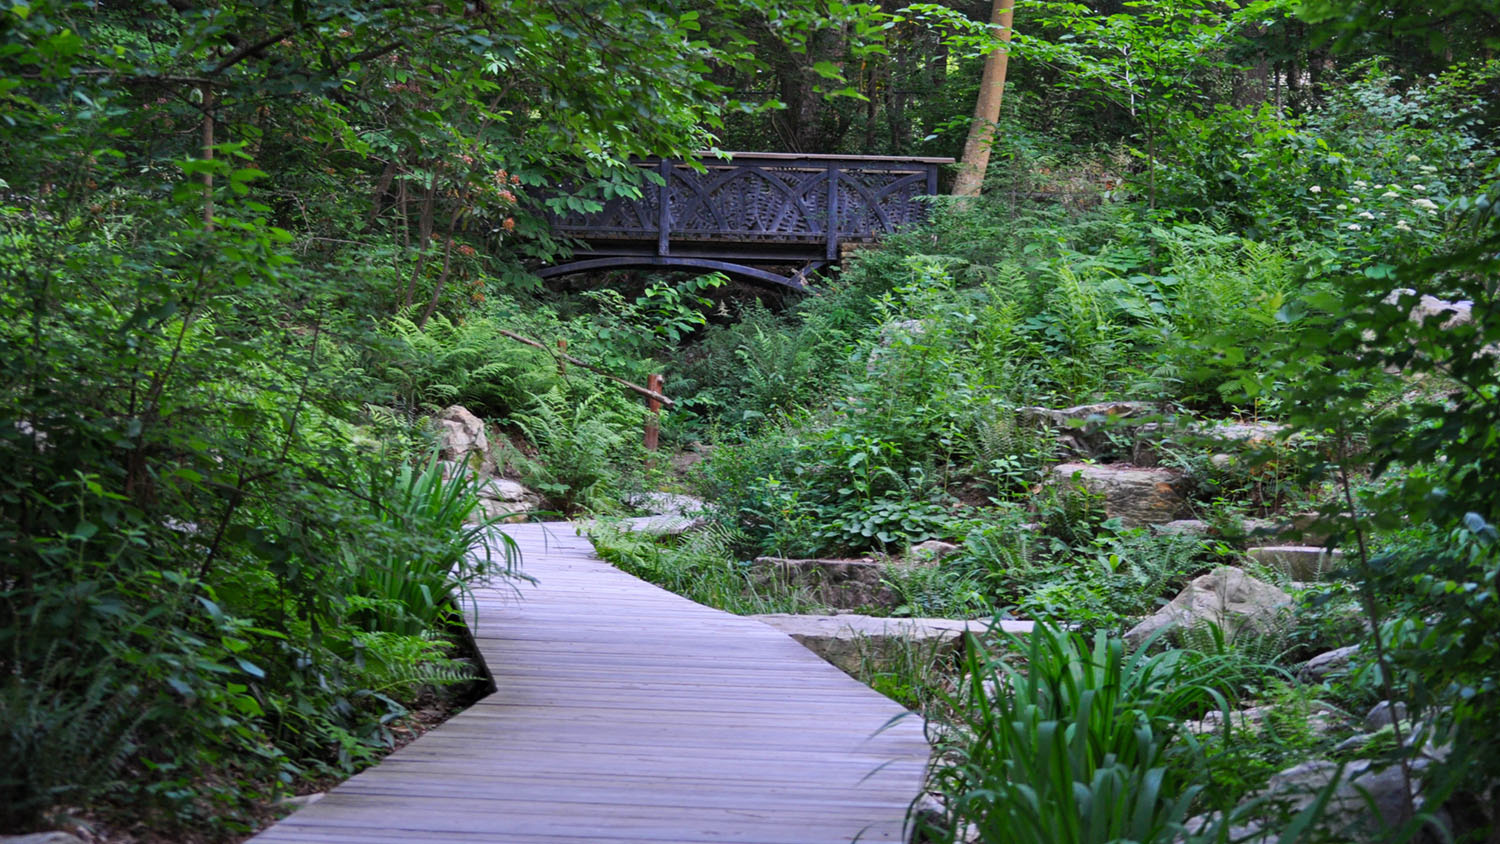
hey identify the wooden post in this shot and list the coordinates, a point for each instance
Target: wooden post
(653, 429)
(562, 358)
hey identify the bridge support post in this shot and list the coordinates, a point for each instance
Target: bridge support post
(653, 420)
(831, 248)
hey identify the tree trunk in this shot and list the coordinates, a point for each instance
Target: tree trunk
(987, 109)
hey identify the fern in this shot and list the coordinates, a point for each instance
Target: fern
(67, 732)
(580, 446)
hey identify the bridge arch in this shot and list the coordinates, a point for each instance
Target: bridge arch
(796, 281)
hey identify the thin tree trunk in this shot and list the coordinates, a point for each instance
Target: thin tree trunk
(208, 155)
(976, 156)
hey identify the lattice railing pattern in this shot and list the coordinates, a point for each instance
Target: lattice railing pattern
(766, 198)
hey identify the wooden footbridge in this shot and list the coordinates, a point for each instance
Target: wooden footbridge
(751, 213)
(625, 713)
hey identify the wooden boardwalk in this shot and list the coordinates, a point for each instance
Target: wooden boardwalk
(625, 713)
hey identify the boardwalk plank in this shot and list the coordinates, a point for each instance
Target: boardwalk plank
(626, 714)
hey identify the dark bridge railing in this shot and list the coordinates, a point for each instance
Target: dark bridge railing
(757, 208)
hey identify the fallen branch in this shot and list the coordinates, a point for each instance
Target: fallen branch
(650, 394)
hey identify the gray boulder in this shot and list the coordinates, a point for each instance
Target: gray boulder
(507, 500)
(1136, 496)
(1367, 801)
(840, 584)
(461, 439)
(1083, 430)
(1317, 717)
(665, 525)
(1298, 562)
(1184, 527)
(1227, 597)
(1327, 664)
(850, 641)
(666, 504)
(1383, 715)
(931, 551)
(1226, 437)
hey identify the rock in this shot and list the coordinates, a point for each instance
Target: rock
(1134, 495)
(1247, 529)
(931, 551)
(897, 328)
(696, 453)
(1450, 314)
(1226, 596)
(300, 800)
(848, 641)
(1088, 414)
(42, 838)
(1299, 562)
(461, 439)
(668, 525)
(1363, 788)
(1383, 715)
(1327, 664)
(901, 329)
(1317, 717)
(1243, 433)
(1184, 527)
(1227, 438)
(1083, 429)
(666, 504)
(39, 443)
(507, 500)
(843, 584)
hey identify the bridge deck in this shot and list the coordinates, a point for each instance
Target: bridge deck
(625, 713)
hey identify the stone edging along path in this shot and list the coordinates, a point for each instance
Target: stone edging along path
(626, 713)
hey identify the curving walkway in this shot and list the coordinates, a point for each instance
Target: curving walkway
(626, 713)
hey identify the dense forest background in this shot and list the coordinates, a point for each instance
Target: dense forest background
(248, 248)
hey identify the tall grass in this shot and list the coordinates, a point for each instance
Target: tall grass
(1077, 746)
(424, 581)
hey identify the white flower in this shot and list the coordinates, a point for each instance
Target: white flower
(1419, 187)
(1402, 226)
(1367, 215)
(1361, 183)
(1389, 194)
(1354, 227)
(1341, 207)
(1354, 199)
(1413, 158)
(1393, 186)
(1425, 204)
(1428, 169)
(1315, 189)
